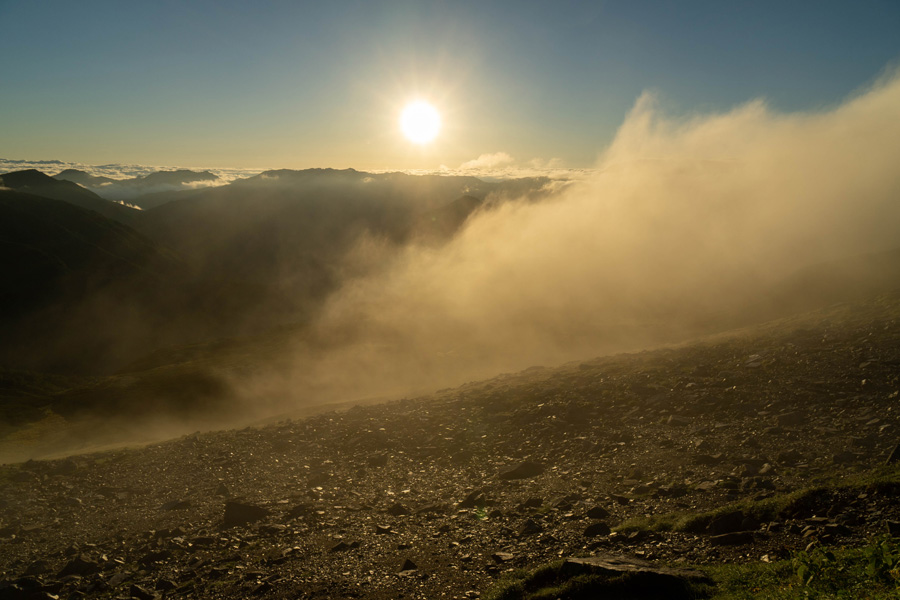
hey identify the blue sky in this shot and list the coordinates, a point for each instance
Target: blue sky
(305, 84)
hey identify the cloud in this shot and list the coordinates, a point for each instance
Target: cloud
(119, 171)
(683, 224)
(134, 206)
(500, 166)
(127, 190)
(488, 161)
(544, 164)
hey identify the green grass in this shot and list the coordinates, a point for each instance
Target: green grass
(871, 572)
(883, 479)
(553, 582)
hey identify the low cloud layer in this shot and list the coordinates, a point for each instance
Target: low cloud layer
(684, 220)
(489, 161)
(116, 170)
(503, 166)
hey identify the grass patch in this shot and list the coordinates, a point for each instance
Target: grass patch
(871, 572)
(554, 581)
(884, 479)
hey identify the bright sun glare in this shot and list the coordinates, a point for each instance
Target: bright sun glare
(420, 122)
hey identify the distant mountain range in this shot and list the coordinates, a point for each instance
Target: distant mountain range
(94, 285)
(85, 179)
(34, 182)
(91, 286)
(129, 189)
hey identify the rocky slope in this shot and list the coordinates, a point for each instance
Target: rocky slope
(437, 497)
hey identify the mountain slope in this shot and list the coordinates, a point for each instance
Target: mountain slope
(34, 182)
(129, 189)
(84, 293)
(292, 229)
(743, 448)
(82, 178)
(50, 244)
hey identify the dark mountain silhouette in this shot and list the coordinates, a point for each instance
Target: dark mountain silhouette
(153, 199)
(291, 229)
(177, 177)
(83, 178)
(128, 189)
(89, 294)
(83, 293)
(32, 181)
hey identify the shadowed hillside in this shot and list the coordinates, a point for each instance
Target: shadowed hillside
(34, 182)
(293, 229)
(127, 190)
(88, 294)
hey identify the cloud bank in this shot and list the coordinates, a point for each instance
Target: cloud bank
(115, 170)
(685, 220)
(488, 161)
(500, 166)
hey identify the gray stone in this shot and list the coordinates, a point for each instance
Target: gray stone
(597, 512)
(237, 513)
(737, 538)
(530, 527)
(474, 499)
(398, 510)
(790, 419)
(80, 565)
(894, 455)
(526, 470)
(595, 529)
(726, 523)
(140, 593)
(893, 528)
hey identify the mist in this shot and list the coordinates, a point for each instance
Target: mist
(688, 225)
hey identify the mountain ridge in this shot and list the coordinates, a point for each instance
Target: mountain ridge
(35, 182)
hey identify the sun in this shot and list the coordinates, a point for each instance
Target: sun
(420, 122)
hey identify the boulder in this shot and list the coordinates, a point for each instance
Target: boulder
(530, 527)
(894, 456)
(737, 538)
(526, 470)
(595, 529)
(237, 514)
(726, 523)
(597, 512)
(398, 510)
(80, 565)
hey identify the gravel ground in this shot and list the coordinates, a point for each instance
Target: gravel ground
(436, 497)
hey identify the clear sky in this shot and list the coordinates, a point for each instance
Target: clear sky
(297, 84)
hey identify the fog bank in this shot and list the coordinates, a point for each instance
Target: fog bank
(686, 224)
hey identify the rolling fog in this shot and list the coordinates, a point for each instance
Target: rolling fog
(684, 229)
(689, 226)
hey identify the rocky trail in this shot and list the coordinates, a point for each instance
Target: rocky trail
(437, 497)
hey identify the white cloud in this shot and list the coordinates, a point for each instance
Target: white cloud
(488, 161)
(543, 163)
(683, 221)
